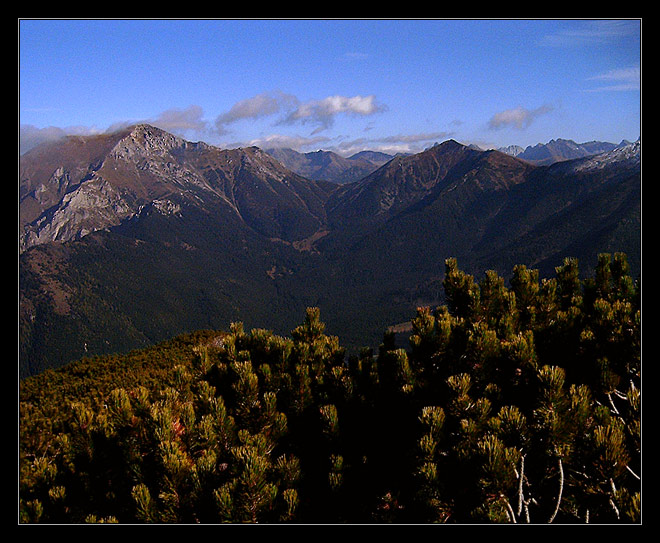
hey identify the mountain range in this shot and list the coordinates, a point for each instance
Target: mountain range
(561, 149)
(330, 166)
(131, 238)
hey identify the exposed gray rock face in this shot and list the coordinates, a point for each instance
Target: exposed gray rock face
(72, 204)
(93, 205)
(512, 150)
(630, 153)
(146, 141)
(628, 156)
(83, 185)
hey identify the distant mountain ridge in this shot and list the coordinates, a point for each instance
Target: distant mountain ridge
(131, 238)
(328, 165)
(560, 149)
(378, 158)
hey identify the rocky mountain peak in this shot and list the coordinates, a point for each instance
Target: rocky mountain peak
(145, 140)
(144, 164)
(629, 155)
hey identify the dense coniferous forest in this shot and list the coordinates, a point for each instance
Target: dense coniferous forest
(517, 401)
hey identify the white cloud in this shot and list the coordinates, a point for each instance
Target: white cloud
(283, 141)
(416, 138)
(618, 80)
(261, 105)
(592, 33)
(182, 120)
(518, 118)
(30, 136)
(398, 143)
(189, 122)
(320, 112)
(323, 112)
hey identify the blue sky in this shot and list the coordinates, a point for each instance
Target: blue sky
(342, 85)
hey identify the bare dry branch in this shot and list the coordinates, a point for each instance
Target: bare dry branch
(561, 490)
